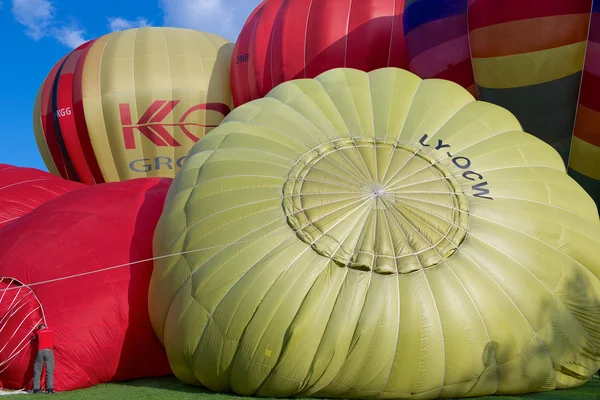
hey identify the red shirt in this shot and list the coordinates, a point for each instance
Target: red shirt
(45, 339)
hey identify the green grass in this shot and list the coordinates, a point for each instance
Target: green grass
(170, 388)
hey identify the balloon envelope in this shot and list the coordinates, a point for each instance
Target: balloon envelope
(49, 260)
(24, 189)
(131, 104)
(289, 39)
(363, 235)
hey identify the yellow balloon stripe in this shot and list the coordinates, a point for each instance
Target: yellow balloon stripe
(93, 109)
(585, 158)
(40, 138)
(529, 68)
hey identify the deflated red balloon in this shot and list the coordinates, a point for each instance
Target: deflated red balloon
(24, 189)
(100, 319)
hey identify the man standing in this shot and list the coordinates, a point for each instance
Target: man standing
(45, 354)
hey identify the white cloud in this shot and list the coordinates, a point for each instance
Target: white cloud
(69, 36)
(35, 15)
(223, 17)
(119, 24)
(38, 17)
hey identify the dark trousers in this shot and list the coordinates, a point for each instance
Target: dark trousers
(43, 356)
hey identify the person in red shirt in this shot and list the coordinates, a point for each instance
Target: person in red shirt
(45, 354)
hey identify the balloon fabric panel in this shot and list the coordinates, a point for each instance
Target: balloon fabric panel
(100, 319)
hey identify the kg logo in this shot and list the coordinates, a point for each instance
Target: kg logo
(151, 124)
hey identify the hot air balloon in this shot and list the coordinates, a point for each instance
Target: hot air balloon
(528, 57)
(374, 235)
(81, 264)
(289, 39)
(131, 104)
(584, 156)
(24, 189)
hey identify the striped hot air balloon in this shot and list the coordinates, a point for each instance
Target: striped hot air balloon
(291, 39)
(527, 56)
(584, 160)
(131, 104)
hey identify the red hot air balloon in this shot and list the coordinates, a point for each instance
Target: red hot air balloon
(24, 189)
(49, 260)
(290, 39)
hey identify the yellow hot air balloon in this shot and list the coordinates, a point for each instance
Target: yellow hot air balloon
(375, 235)
(131, 104)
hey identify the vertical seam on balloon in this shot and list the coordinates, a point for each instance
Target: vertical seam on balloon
(135, 96)
(420, 314)
(281, 6)
(392, 33)
(347, 32)
(85, 134)
(470, 49)
(341, 119)
(99, 66)
(68, 164)
(580, 84)
(306, 35)
(172, 113)
(352, 137)
(392, 83)
(414, 95)
(399, 303)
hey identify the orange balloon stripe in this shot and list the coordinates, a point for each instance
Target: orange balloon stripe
(587, 125)
(525, 36)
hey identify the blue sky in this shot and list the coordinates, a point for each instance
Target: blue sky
(37, 33)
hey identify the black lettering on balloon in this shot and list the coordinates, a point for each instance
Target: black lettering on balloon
(466, 175)
(467, 162)
(482, 191)
(441, 145)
